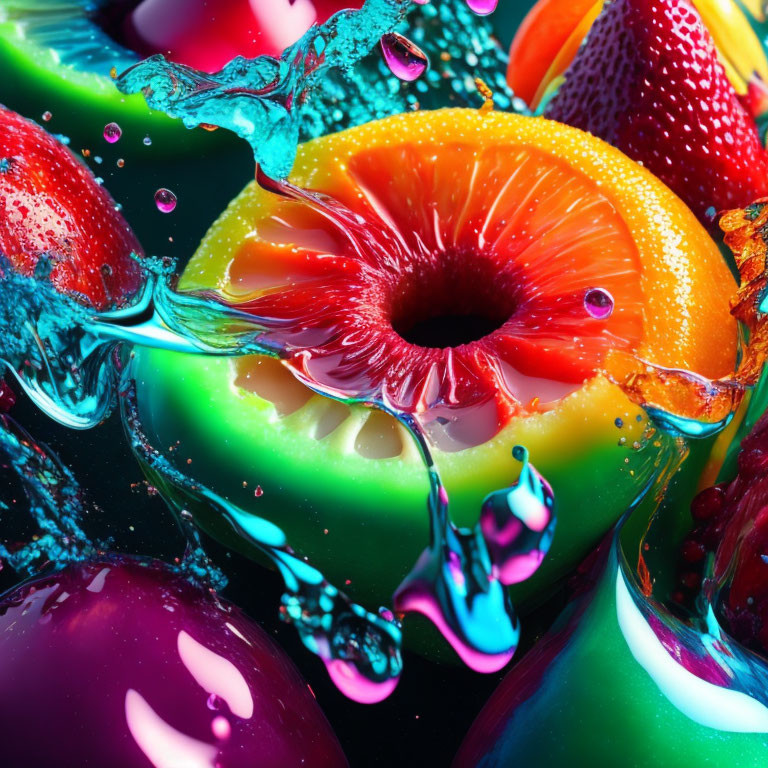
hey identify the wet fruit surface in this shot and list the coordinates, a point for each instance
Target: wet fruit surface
(121, 662)
(731, 521)
(481, 201)
(581, 697)
(51, 206)
(649, 81)
(207, 36)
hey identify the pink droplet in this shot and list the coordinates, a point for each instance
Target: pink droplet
(220, 727)
(598, 303)
(112, 132)
(47, 116)
(405, 59)
(165, 200)
(258, 491)
(482, 7)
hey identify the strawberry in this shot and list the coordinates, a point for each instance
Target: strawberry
(51, 204)
(648, 81)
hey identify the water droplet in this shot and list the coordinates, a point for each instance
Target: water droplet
(598, 303)
(482, 7)
(214, 702)
(120, 163)
(259, 491)
(112, 132)
(165, 200)
(147, 141)
(405, 59)
(47, 116)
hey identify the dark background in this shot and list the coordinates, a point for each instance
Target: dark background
(426, 718)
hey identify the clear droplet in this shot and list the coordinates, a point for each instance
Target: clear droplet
(258, 491)
(165, 200)
(112, 132)
(147, 141)
(47, 116)
(598, 303)
(482, 7)
(405, 59)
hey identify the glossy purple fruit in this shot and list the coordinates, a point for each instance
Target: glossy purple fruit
(120, 662)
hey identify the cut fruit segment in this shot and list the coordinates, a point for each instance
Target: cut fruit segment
(456, 313)
(456, 285)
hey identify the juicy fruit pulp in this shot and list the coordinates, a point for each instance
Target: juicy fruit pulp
(402, 188)
(463, 314)
(52, 207)
(648, 80)
(207, 36)
(123, 660)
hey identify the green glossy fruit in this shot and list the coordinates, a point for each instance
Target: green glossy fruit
(581, 698)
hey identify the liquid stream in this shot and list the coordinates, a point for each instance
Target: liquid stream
(67, 359)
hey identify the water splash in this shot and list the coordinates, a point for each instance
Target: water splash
(61, 351)
(259, 99)
(314, 88)
(360, 649)
(55, 503)
(459, 582)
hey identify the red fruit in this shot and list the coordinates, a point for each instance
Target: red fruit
(648, 81)
(7, 397)
(50, 203)
(206, 35)
(733, 523)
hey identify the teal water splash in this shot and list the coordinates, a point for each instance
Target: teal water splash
(57, 507)
(459, 581)
(55, 503)
(260, 99)
(360, 649)
(60, 350)
(324, 82)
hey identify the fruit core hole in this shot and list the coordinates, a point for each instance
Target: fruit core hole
(448, 330)
(455, 301)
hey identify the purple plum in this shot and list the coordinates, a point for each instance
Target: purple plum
(122, 662)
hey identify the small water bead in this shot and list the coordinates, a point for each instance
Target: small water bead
(598, 303)
(147, 141)
(120, 163)
(405, 59)
(482, 7)
(165, 200)
(47, 116)
(112, 132)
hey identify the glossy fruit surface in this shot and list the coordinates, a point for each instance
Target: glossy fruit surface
(345, 482)
(648, 81)
(207, 37)
(52, 206)
(121, 662)
(580, 697)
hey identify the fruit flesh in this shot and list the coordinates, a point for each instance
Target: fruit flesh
(303, 450)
